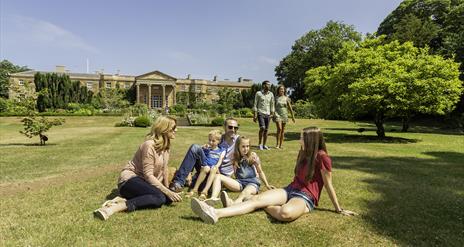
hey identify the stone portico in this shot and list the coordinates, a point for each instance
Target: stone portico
(155, 89)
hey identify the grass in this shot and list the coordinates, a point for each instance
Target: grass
(408, 189)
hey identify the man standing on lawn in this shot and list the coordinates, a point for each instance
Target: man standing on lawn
(263, 110)
(195, 156)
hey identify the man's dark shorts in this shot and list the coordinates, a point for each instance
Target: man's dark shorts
(263, 120)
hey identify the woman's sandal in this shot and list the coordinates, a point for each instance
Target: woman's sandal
(203, 196)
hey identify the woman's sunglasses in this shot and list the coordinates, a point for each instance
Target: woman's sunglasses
(232, 127)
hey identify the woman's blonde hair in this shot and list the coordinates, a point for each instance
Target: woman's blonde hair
(313, 141)
(159, 132)
(238, 156)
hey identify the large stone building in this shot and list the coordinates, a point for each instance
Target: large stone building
(151, 88)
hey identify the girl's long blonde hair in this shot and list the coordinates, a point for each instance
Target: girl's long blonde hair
(313, 141)
(159, 132)
(238, 156)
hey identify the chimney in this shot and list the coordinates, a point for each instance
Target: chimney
(240, 79)
(188, 76)
(215, 78)
(60, 69)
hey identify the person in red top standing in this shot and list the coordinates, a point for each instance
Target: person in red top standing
(313, 171)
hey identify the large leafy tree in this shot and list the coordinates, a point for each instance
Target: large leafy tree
(7, 68)
(315, 48)
(436, 23)
(386, 80)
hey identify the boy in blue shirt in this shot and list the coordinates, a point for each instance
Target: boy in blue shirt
(213, 159)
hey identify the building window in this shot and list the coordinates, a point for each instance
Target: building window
(126, 85)
(156, 103)
(89, 85)
(21, 82)
(108, 84)
(237, 90)
(145, 99)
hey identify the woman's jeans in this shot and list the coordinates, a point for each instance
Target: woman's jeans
(140, 194)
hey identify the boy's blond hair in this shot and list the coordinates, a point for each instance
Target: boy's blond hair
(216, 134)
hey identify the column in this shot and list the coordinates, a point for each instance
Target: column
(149, 96)
(164, 96)
(174, 95)
(138, 94)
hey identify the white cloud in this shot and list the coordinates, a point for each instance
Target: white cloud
(268, 60)
(43, 32)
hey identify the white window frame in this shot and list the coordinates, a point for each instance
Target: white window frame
(106, 84)
(89, 85)
(21, 82)
(156, 101)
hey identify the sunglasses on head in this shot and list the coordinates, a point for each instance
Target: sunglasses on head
(232, 127)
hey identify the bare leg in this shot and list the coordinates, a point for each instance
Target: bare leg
(246, 193)
(273, 197)
(281, 136)
(290, 211)
(209, 181)
(203, 171)
(228, 182)
(279, 129)
(264, 137)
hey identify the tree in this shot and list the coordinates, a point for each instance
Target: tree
(37, 126)
(412, 28)
(248, 95)
(7, 68)
(386, 80)
(229, 99)
(444, 18)
(315, 48)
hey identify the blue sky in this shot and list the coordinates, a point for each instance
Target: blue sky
(203, 38)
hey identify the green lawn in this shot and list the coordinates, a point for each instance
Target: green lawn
(408, 189)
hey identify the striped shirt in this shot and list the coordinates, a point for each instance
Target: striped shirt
(227, 167)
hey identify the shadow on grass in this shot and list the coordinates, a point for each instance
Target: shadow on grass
(27, 144)
(420, 200)
(353, 138)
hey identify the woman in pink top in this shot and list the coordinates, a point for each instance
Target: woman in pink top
(313, 170)
(143, 182)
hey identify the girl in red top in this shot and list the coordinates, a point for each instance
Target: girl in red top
(313, 170)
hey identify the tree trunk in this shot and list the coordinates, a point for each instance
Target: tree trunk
(379, 123)
(406, 120)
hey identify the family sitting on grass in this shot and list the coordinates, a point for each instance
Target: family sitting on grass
(227, 161)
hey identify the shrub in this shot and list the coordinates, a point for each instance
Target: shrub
(304, 109)
(246, 112)
(139, 109)
(179, 109)
(72, 107)
(219, 121)
(142, 121)
(3, 105)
